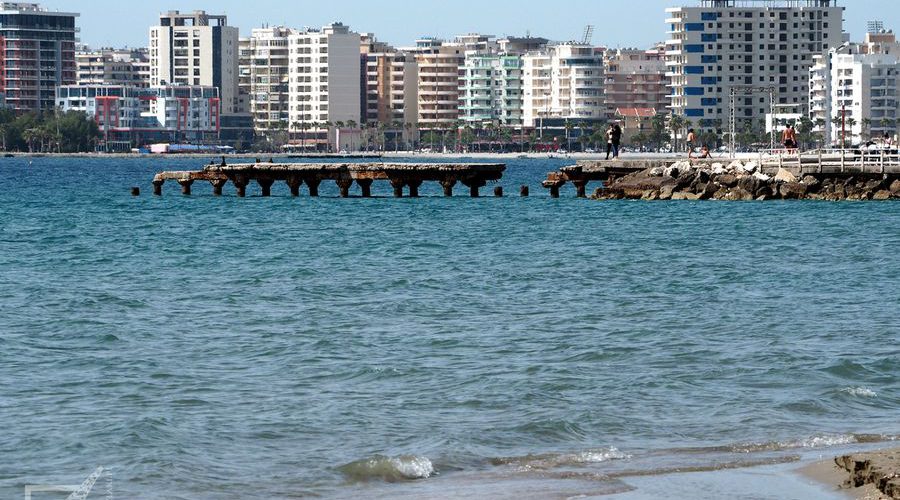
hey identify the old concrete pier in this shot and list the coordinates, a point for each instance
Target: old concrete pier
(409, 176)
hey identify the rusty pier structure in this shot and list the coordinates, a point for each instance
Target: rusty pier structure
(402, 176)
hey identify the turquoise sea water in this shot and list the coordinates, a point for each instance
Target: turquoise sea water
(207, 347)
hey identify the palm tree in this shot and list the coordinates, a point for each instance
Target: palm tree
(676, 123)
(351, 124)
(866, 128)
(408, 128)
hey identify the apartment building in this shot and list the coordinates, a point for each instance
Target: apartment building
(196, 49)
(180, 113)
(439, 66)
(492, 90)
(38, 54)
(854, 89)
(720, 45)
(636, 79)
(129, 67)
(391, 91)
(324, 82)
(564, 83)
(264, 77)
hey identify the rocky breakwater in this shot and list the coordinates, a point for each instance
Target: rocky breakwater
(744, 181)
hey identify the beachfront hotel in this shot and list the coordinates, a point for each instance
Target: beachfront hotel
(854, 89)
(196, 49)
(721, 45)
(38, 54)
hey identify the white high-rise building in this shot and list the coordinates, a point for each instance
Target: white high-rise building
(566, 82)
(854, 90)
(129, 67)
(325, 83)
(492, 90)
(721, 45)
(196, 49)
(265, 77)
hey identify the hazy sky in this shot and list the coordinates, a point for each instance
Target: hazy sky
(618, 22)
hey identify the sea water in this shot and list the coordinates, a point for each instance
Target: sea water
(204, 347)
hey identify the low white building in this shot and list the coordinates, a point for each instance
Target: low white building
(176, 113)
(854, 90)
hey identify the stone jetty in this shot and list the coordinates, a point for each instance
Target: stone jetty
(880, 469)
(746, 181)
(409, 176)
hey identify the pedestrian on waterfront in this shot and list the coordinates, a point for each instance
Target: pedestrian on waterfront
(617, 140)
(790, 138)
(691, 139)
(609, 140)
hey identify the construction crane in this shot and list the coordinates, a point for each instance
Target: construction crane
(588, 34)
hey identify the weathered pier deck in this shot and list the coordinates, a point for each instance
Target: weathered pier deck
(817, 163)
(400, 175)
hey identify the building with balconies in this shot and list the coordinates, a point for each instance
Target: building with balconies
(177, 113)
(854, 89)
(636, 79)
(264, 77)
(38, 54)
(196, 49)
(564, 84)
(129, 67)
(720, 45)
(492, 90)
(391, 91)
(324, 84)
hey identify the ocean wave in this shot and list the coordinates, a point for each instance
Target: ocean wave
(862, 392)
(553, 460)
(390, 469)
(814, 441)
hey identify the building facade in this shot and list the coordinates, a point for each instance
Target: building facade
(177, 113)
(853, 94)
(636, 79)
(722, 45)
(325, 87)
(38, 54)
(492, 90)
(439, 66)
(265, 77)
(563, 84)
(391, 91)
(196, 49)
(129, 67)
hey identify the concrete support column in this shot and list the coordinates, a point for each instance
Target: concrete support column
(217, 185)
(554, 191)
(294, 184)
(474, 186)
(365, 185)
(266, 186)
(414, 187)
(448, 184)
(186, 186)
(524, 191)
(398, 184)
(313, 185)
(580, 188)
(344, 186)
(498, 191)
(157, 187)
(241, 186)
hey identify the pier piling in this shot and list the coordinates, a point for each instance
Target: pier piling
(266, 186)
(580, 188)
(344, 186)
(135, 191)
(157, 187)
(398, 184)
(240, 184)
(294, 185)
(365, 185)
(217, 185)
(498, 191)
(414, 187)
(448, 184)
(313, 185)
(524, 191)
(186, 186)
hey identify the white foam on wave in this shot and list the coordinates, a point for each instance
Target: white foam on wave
(862, 392)
(597, 456)
(391, 469)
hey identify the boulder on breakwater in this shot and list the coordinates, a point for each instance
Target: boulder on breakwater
(743, 181)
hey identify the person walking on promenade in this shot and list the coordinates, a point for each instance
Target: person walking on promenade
(617, 140)
(609, 140)
(691, 139)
